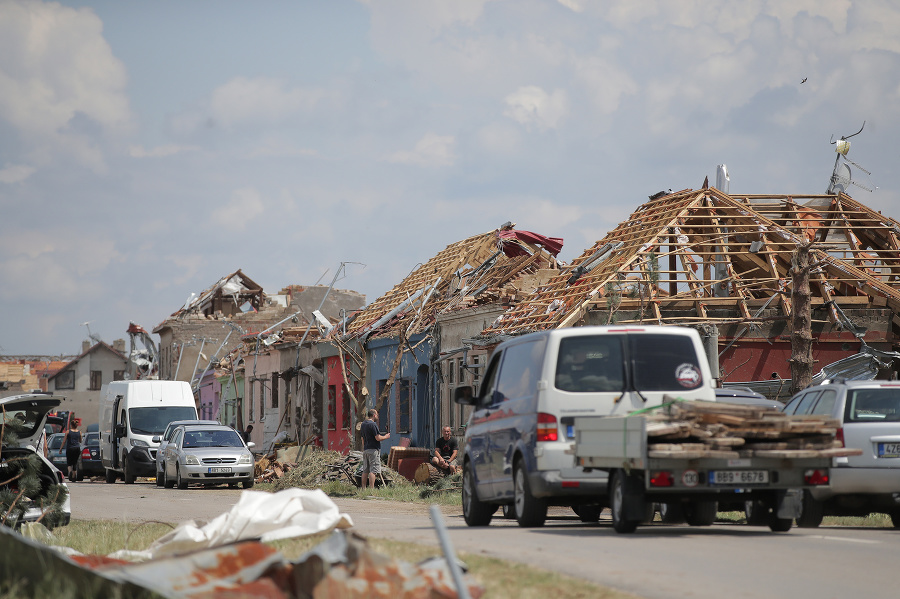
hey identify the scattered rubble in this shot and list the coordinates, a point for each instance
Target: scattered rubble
(316, 467)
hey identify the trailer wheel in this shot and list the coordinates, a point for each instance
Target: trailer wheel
(475, 512)
(777, 524)
(700, 512)
(617, 504)
(110, 476)
(811, 511)
(530, 511)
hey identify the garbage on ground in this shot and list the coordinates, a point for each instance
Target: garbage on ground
(226, 565)
(318, 467)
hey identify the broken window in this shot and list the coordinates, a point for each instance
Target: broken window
(274, 390)
(65, 380)
(404, 405)
(345, 410)
(118, 375)
(383, 411)
(332, 406)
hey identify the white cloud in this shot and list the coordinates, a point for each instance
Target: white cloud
(244, 205)
(260, 100)
(531, 105)
(431, 150)
(58, 76)
(16, 173)
(139, 151)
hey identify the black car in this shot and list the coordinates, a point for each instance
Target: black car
(89, 460)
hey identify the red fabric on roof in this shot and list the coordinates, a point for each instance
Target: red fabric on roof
(551, 244)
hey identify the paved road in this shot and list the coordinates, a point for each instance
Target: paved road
(656, 562)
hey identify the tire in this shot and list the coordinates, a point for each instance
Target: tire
(159, 478)
(530, 511)
(180, 482)
(700, 512)
(671, 513)
(110, 476)
(777, 524)
(811, 511)
(589, 513)
(475, 512)
(166, 482)
(756, 513)
(895, 518)
(127, 475)
(509, 511)
(247, 484)
(617, 504)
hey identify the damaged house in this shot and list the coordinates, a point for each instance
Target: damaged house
(394, 354)
(722, 263)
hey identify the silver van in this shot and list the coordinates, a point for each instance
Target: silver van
(518, 441)
(869, 412)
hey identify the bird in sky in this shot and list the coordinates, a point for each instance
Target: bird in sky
(804, 80)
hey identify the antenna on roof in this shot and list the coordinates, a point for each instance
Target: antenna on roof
(94, 337)
(841, 177)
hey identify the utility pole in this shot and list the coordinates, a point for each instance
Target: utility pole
(801, 320)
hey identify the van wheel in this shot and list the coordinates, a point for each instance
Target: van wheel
(700, 512)
(777, 524)
(530, 511)
(475, 512)
(617, 504)
(110, 476)
(127, 475)
(756, 513)
(811, 511)
(588, 513)
(895, 518)
(509, 511)
(182, 483)
(671, 513)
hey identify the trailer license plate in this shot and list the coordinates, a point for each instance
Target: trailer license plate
(219, 470)
(889, 450)
(738, 477)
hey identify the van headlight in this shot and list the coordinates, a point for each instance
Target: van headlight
(245, 458)
(191, 460)
(139, 443)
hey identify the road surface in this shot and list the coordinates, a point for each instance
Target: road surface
(656, 562)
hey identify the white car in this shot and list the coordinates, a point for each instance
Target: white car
(164, 439)
(869, 412)
(207, 454)
(23, 436)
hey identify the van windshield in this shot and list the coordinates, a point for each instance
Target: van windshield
(153, 421)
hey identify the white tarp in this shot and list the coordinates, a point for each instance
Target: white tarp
(257, 515)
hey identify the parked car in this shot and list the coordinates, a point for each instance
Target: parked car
(164, 439)
(25, 416)
(207, 454)
(519, 436)
(89, 463)
(747, 397)
(56, 451)
(869, 415)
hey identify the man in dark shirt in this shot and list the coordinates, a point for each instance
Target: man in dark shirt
(372, 439)
(445, 451)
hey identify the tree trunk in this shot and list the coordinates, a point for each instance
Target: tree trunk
(801, 321)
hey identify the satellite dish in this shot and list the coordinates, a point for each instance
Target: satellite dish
(841, 179)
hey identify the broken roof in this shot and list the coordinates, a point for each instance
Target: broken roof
(470, 272)
(236, 288)
(695, 250)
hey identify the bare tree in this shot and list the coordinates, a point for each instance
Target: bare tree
(801, 320)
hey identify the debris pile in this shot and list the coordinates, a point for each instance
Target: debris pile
(318, 467)
(696, 429)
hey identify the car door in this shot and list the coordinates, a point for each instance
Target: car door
(478, 430)
(171, 453)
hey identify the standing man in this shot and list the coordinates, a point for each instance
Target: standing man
(372, 439)
(445, 451)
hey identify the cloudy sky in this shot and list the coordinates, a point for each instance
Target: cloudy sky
(149, 148)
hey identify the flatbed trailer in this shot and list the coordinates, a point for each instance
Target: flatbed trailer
(688, 482)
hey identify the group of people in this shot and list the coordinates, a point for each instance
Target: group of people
(445, 450)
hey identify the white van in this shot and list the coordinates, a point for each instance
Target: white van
(519, 436)
(131, 414)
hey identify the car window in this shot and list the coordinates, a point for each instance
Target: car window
(520, 370)
(825, 405)
(487, 386)
(872, 405)
(806, 402)
(56, 441)
(791, 405)
(664, 362)
(590, 364)
(176, 437)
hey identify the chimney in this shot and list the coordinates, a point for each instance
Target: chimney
(85, 345)
(119, 345)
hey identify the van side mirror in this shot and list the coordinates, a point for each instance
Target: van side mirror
(156, 439)
(464, 395)
(120, 431)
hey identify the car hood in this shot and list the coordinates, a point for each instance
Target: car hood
(26, 415)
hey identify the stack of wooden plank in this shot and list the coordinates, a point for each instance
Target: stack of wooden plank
(700, 429)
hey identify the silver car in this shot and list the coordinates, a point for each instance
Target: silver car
(869, 412)
(164, 439)
(208, 455)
